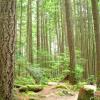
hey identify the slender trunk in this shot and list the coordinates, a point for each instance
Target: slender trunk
(70, 37)
(29, 32)
(95, 12)
(20, 38)
(38, 32)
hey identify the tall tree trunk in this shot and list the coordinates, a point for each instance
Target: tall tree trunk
(95, 12)
(20, 37)
(29, 32)
(38, 32)
(70, 36)
(7, 47)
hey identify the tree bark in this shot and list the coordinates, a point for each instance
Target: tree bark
(7, 47)
(95, 12)
(70, 37)
(29, 32)
(38, 31)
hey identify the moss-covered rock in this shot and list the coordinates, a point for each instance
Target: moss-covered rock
(34, 88)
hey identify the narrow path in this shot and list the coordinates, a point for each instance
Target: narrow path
(55, 97)
(50, 93)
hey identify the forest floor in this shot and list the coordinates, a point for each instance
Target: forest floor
(50, 93)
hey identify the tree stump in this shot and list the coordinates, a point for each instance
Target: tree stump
(97, 95)
(87, 92)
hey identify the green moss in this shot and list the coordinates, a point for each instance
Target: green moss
(98, 89)
(31, 93)
(61, 86)
(66, 86)
(79, 85)
(34, 88)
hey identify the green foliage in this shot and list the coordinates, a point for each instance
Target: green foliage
(21, 64)
(59, 67)
(79, 72)
(91, 79)
(21, 61)
(24, 81)
(79, 68)
(56, 79)
(79, 85)
(37, 73)
(56, 66)
(98, 89)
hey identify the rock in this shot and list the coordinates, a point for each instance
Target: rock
(90, 87)
(52, 83)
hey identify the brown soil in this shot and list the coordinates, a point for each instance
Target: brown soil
(50, 93)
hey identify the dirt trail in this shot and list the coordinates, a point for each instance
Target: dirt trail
(54, 97)
(50, 94)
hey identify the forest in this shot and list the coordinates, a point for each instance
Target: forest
(49, 49)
